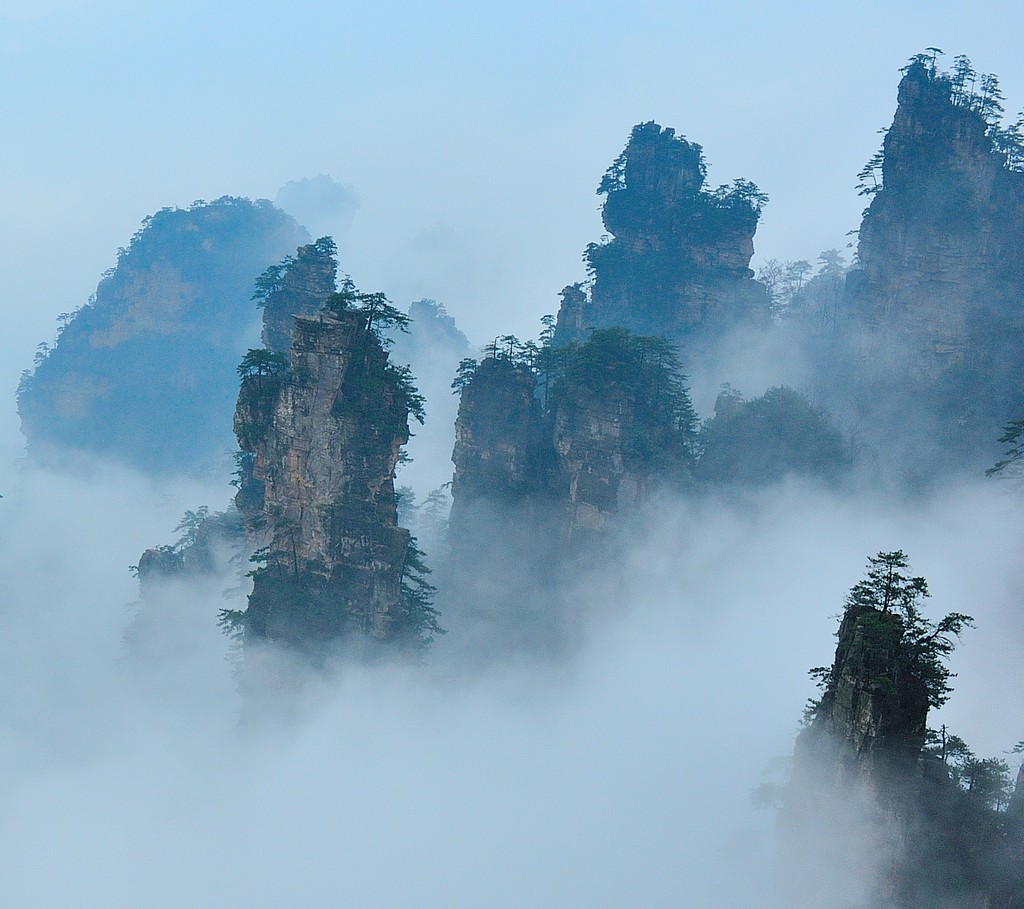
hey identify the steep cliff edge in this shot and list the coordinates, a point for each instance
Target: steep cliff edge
(937, 299)
(144, 372)
(322, 438)
(901, 816)
(498, 436)
(677, 265)
(875, 705)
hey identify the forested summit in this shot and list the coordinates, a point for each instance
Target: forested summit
(144, 373)
(677, 263)
(932, 310)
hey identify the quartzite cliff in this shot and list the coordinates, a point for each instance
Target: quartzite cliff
(320, 439)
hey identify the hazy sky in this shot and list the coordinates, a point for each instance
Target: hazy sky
(474, 135)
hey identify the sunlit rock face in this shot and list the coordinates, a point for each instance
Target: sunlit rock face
(937, 301)
(677, 263)
(323, 439)
(145, 372)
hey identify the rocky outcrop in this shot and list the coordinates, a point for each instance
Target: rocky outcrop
(297, 286)
(580, 436)
(210, 542)
(874, 704)
(915, 815)
(677, 265)
(937, 300)
(498, 452)
(324, 436)
(145, 372)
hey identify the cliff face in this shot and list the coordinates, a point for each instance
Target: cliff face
(873, 704)
(145, 372)
(582, 436)
(938, 298)
(589, 431)
(497, 435)
(678, 263)
(296, 287)
(323, 438)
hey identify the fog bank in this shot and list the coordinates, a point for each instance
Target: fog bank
(620, 776)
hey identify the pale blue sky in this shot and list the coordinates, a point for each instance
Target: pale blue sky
(474, 135)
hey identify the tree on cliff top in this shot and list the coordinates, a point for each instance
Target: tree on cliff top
(921, 646)
(1013, 435)
(375, 309)
(297, 285)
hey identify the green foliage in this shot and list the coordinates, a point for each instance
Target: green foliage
(1013, 435)
(343, 299)
(232, 623)
(614, 178)
(190, 524)
(647, 372)
(244, 461)
(512, 350)
(642, 373)
(375, 316)
(376, 312)
(464, 374)
(416, 621)
(923, 646)
(762, 440)
(870, 176)
(985, 782)
(976, 92)
(403, 386)
(1009, 141)
(740, 195)
(380, 315)
(547, 334)
(886, 587)
(263, 363)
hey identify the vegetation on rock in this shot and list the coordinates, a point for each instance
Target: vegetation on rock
(296, 286)
(946, 816)
(144, 372)
(321, 432)
(762, 440)
(677, 265)
(935, 327)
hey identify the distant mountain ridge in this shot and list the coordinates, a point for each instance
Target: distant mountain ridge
(144, 373)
